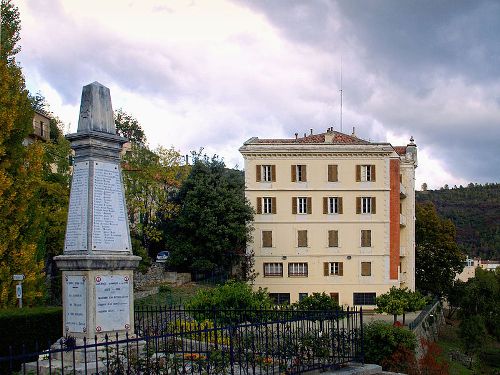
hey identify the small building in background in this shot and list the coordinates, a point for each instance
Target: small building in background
(41, 128)
(471, 264)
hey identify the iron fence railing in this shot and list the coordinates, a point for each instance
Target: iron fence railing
(172, 340)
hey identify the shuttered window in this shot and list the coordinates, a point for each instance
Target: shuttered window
(366, 268)
(365, 173)
(333, 268)
(332, 205)
(266, 205)
(333, 174)
(301, 205)
(366, 238)
(267, 238)
(334, 296)
(265, 173)
(299, 173)
(333, 238)
(302, 238)
(366, 205)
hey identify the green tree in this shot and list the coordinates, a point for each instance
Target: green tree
(481, 297)
(438, 258)
(21, 172)
(399, 301)
(127, 126)
(210, 232)
(151, 178)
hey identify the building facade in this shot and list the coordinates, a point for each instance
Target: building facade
(334, 214)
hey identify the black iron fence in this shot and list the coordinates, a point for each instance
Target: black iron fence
(172, 340)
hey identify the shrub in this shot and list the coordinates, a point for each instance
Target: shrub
(232, 302)
(317, 301)
(382, 339)
(402, 360)
(40, 326)
(429, 363)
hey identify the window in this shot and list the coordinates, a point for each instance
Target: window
(41, 129)
(267, 238)
(299, 173)
(302, 296)
(273, 269)
(366, 268)
(333, 238)
(366, 238)
(365, 173)
(333, 173)
(365, 205)
(333, 268)
(280, 298)
(334, 296)
(332, 205)
(265, 173)
(302, 238)
(469, 262)
(301, 205)
(297, 269)
(266, 205)
(364, 298)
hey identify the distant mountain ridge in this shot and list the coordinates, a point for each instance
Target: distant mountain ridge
(475, 211)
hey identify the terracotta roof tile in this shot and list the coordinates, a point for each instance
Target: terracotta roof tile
(401, 150)
(338, 138)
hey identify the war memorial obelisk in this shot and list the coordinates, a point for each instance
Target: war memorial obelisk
(97, 264)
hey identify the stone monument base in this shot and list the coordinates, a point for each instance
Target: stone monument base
(97, 295)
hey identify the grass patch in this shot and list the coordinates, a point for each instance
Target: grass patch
(486, 362)
(171, 295)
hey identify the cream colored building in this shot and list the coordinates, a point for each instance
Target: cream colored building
(334, 214)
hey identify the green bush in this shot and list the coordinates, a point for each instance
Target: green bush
(233, 301)
(382, 339)
(29, 326)
(317, 301)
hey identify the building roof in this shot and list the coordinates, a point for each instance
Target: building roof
(338, 138)
(401, 150)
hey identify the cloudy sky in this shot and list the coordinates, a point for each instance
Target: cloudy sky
(214, 73)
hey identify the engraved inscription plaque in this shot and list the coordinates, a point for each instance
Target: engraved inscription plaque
(109, 215)
(112, 300)
(76, 304)
(76, 228)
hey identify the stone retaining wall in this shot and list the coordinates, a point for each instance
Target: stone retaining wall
(428, 327)
(157, 275)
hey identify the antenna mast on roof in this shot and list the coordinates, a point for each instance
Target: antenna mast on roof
(341, 94)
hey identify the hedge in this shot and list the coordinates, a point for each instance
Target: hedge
(29, 326)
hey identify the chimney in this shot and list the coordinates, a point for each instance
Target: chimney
(187, 159)
(305, 135)
(329, 135)
(353, 131)
(311, 132)
(296, 135)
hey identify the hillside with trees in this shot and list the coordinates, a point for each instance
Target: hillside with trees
(475, 211)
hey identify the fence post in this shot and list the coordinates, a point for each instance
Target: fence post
(362, 336)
